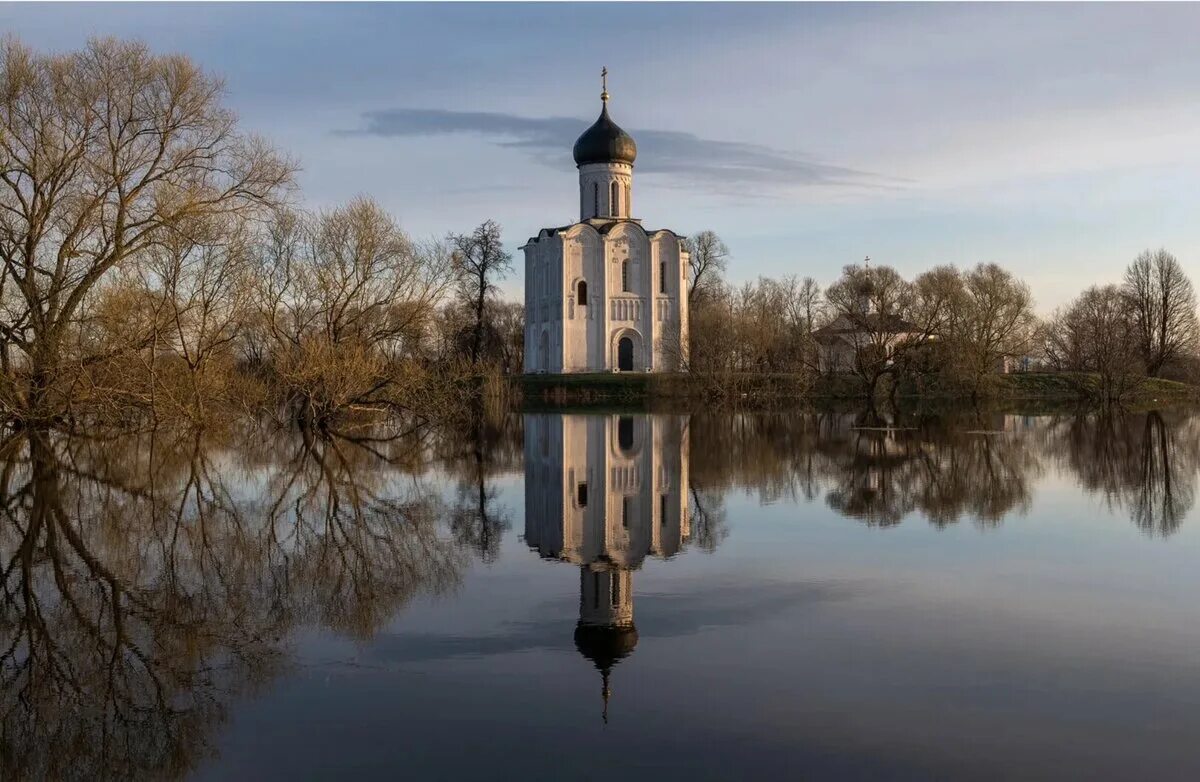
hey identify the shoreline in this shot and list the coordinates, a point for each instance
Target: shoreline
(775, 390)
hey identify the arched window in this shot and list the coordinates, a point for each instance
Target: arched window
(581, 293)
(628, 202)
(615, 204)
(595, 199)
(625, 276)
(662, 276)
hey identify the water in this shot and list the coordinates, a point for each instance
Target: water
(595, 597)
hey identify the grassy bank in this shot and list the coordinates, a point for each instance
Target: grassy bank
(1066, 386)
(694, 390)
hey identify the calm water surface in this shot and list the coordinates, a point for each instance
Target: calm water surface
(625, 597)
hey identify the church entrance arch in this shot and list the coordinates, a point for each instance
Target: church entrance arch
(625, 354)
(626, 351)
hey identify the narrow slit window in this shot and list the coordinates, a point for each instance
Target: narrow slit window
(625, 276)
(625, 434)
(581, 293)
(662, 276)
(615, 206)
(581, 493)
(596, 199)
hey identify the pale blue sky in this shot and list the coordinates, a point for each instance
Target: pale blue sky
(1057, 140)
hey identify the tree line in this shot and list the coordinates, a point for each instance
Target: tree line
(154, 257)
(947, 326)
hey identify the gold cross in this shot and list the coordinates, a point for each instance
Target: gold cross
(604, 79)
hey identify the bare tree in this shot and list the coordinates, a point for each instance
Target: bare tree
(202, 271)
(1096, 334)
(101, 152)
(991, 322)
(509, 318)
(345, 300)
(708, 258)
(482, 260)
(1164, 308)
(870, 307)
(806, 303)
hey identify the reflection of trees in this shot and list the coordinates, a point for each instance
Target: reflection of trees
(950, 467)
(945, 474)
(1145, 463)
(479, 449)
(869, 468)
(146, 582)
(706, 519)
(771, 454)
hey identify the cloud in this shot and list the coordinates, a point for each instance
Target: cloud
(689, 159)
(659, 616)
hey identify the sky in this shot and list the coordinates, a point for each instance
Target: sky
(1055, 140)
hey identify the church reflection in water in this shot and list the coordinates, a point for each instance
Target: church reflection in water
(603, 493)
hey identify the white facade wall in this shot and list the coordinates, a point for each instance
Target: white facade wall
(635, 289)
(605, 492)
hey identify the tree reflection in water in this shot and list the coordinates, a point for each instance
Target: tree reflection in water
(486, 447)
(950, 467)
(148, 579)
(1145, 464)
(147, 582)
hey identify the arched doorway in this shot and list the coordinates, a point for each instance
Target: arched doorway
(625, 354)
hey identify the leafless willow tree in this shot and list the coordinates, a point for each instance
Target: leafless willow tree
(345, 301)
(203, 273)
(1164, 309)
(991, 321)
(103, 152)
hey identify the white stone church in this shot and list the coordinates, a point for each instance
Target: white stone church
(605, 294)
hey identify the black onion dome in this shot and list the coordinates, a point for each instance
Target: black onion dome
(605, 142)
(605, 646)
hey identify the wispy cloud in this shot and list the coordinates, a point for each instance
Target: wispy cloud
(687, 158)
(659, 616)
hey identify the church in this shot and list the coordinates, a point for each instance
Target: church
(605, 294)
